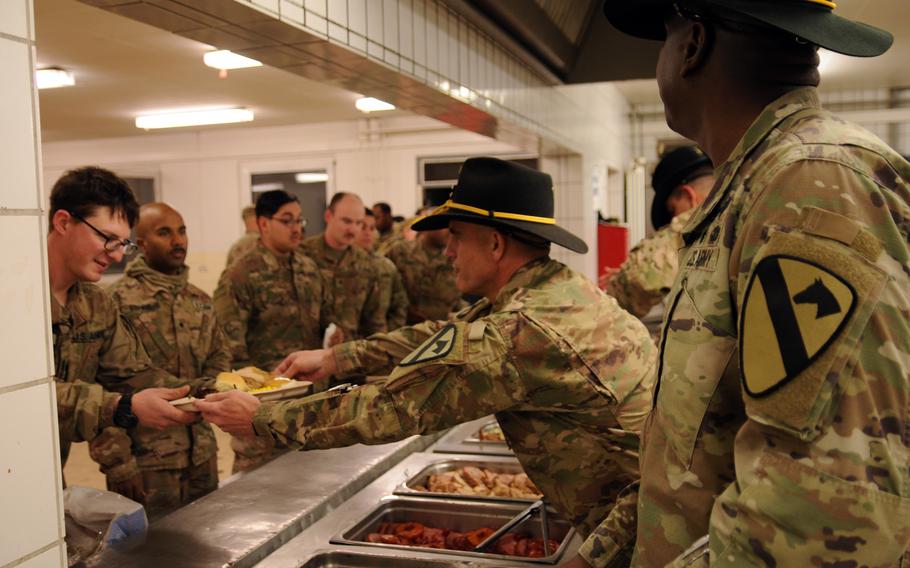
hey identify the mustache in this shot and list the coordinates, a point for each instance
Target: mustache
(178, 249)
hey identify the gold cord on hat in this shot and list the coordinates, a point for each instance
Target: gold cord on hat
(495, 214)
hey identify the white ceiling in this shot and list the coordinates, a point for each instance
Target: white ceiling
(124, 68)
(841, 72)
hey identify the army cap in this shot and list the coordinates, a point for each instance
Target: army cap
(813, 21)
(505, 195)
(677, 167)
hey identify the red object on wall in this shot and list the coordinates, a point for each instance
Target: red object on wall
(612, 246)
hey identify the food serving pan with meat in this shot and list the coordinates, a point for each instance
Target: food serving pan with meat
(499, 479)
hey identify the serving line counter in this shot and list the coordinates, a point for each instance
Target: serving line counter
(465, 439)
(338, 539)
(255, 513)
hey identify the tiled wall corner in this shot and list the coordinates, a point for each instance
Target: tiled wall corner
(31, 530)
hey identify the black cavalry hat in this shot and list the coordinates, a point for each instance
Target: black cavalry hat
(502, 194)
(811, 20)
(676, 167)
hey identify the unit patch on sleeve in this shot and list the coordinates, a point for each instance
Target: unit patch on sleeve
(435, 347)
(793, 311)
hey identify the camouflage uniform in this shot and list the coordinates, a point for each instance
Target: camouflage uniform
(787, 458)
(566, 372)
(176, 323)
(393, 293)
(241, 246)
(92, 343)
(429, 279)
(645, 278)
(352, 298)
(268, 307)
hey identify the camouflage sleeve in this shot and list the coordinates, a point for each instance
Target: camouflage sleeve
(380, 353)
(84, 409)
(219, 356)
(462, 373)
(373, 316)
(611, 543)
(398, 303)
(111, 449)
(821, 460)
(232, 308)
(647, 274)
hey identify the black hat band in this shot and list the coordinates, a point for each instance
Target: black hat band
(494, 214)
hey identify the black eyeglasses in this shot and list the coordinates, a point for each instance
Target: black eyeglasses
(290, 223)
(111, 244)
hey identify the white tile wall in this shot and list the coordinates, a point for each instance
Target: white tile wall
(28, 472)
(24, 295)
(13, 17)
(17, 160)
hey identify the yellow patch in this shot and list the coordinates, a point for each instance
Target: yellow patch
(435, 347)
(793, 310)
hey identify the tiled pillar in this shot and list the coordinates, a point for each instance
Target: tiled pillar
(31, 526)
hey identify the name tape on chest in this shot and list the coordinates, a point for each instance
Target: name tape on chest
(793, 310)
(433, 348)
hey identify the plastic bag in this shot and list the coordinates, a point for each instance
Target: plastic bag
(97, 519)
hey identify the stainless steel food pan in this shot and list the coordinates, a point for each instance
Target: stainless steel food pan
(345, 559)
(474, 438)
(410, 487)
(455, 515)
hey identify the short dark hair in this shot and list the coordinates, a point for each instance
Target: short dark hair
(385, 207)
(269, 202)
(368, 212)
(83, 190)
(338, 197)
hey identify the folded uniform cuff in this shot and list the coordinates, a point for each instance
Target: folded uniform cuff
(121, 472)
(261, 422)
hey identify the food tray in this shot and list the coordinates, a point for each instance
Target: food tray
(410, 487)
(475, 438)
(456, 515)
(292, 390)
(346, 559)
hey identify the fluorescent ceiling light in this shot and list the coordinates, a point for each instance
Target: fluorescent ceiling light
(54, 77)
(267, 186)
(193, 118)
(224, 59)
(311, 177)
(369, 104)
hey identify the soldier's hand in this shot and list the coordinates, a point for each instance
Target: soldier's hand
(317, 365)
(131, 488)
(152, 408)
(231, 411)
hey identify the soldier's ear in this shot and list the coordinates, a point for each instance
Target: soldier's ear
(61, 222)
(497, 244)
(697, 46)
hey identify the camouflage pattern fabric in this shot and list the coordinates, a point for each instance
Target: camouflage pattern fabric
(352, 299)
(786, 458)
(176, 323)
(269, 307)
(94, 344)
(170, 489)
(242, 246)
(645, 278)
(429, 279)
(393, 294)
(565, 370)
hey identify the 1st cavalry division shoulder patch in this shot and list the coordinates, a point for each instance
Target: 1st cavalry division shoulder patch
(792, 312)
(435, 347)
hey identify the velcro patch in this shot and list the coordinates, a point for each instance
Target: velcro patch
(433, 348)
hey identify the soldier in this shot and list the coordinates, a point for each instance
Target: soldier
(247, 242)
(269, 301)
(176, 323)
(428, 276)
(353, 300)
(390, 285)
(780, 426)
(91, 214)
(681, 181)
(565, 370)
(385, 222)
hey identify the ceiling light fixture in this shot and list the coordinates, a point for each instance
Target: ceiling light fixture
(53, 77)
(193, 118)
(260, 187)
(311, 177)
(224, 59)
(369, 104)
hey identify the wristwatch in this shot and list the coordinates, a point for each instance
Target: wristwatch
(124, 416)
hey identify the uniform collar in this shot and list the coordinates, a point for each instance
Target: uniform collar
(531, 275)
(139, 269)
(773, 114)
(74, 309)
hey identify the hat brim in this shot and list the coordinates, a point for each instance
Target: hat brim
(552, 233)
(660, 216)
(645, 19)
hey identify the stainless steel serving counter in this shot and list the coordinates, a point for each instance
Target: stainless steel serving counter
(460, 440)
(312, 547)
(257, 512)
